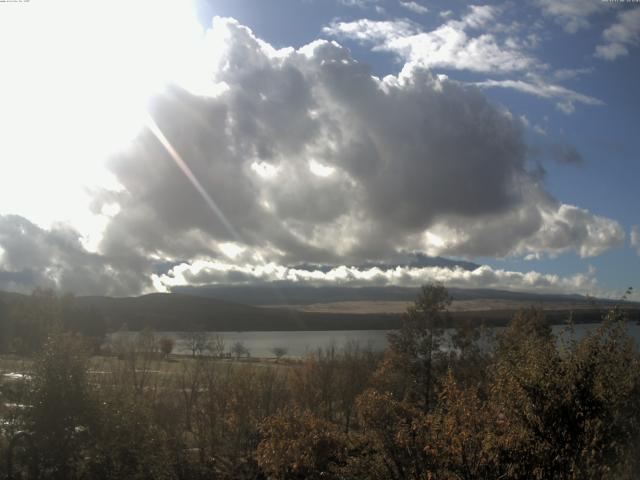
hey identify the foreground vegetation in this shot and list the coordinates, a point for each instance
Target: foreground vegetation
(522, 405)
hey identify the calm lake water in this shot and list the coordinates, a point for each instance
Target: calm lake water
(301, 343)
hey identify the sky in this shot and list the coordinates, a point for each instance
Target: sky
(153, 144)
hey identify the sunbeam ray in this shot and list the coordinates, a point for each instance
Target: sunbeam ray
(182, 165)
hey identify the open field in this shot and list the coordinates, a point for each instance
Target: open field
(100, 366)
(400, 306)
(496, 312)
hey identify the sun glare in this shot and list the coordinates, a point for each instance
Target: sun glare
(319, 169)
(77, 78)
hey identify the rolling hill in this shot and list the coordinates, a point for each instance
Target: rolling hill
(327, 308)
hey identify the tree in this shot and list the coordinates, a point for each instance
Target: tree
(197, 342)
(315, 383)
(4, 327)
(296, 444)
(395, 434)
(568, 413)
(217, 346)
(147, 343)
(355, 366)
(138, 353)
(413, 349)
(279, 352)
(88, 321)
(33, 318)
(239, 350)
(62, 405)
(129, 443)
(464, 433)
(166, 346)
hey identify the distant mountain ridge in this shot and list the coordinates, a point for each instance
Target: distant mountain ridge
(214, 310)
(286, 293)
(180, 312)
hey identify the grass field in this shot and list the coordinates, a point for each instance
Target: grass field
(15, 363)
(157, 372)
(399, 306)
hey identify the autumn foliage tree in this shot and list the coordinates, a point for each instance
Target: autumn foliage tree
(571, 411)
(298, 445)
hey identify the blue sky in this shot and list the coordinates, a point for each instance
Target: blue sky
(231, 141)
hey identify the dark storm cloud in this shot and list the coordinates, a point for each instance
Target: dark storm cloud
(35, 257)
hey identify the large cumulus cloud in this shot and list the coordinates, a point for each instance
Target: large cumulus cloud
(412, 162)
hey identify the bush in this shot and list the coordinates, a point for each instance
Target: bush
(166, 346)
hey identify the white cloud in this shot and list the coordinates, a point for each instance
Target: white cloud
(373, 31)
(209, 273)
(538, 129)
(452, 45)
(319, 169)
(231, 250)
(264, 169)
(565, 97)
(476, 42)
(358, 3)
(620, 36)
(545, 229)
(480, 15)
(572, 15)
(414, 7)
(570, 73)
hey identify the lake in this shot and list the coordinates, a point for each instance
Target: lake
(300, 343)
